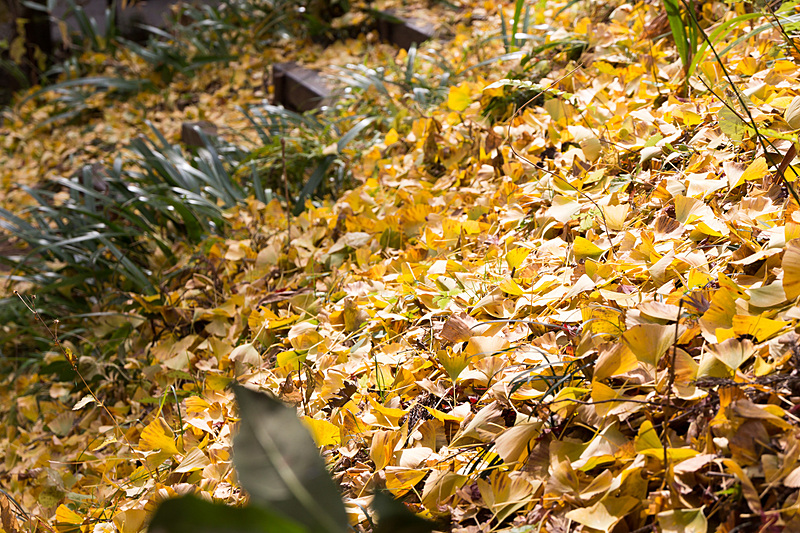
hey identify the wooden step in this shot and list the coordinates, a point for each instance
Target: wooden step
(403, 32)
(190, 132)
(298, 88)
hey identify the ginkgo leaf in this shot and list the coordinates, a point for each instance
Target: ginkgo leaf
(480, 346)
(732, 352)
(603, 320)
(791, 269)
(515, 257)
(516, 441)
(391, 137)
(387, 416)
(291, 358)
(583, 248)
(649, 341)
(83, 402)
(323, 432)
(158, 436)
(562, 209)
(792, 113)
(614, 359)
(504, 494)
(452, 362)
(509, 286)
(731, 125)
(750, 493)
(605, 514)
(439, 486)
(245, 354)
(65, 515)
(793, 478)
(195, 459)
(592, 148)
(755, 171)
(382, 447)
(615, 216)
(459, 328)
(304, 336)
(400, 480)
(130, 520)
(767, 295)
(647, 438)
(760, 327)
(460, 97)
(683, 521)
(602, 396)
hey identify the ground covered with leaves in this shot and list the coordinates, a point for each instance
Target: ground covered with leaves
(559, 292)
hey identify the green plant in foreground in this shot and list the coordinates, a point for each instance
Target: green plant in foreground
(290, 490)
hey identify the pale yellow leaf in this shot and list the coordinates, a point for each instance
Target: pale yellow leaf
(324, 432)
(158, 436)
(459, 98)
(649, 341)
(195, 459)
(791, 269)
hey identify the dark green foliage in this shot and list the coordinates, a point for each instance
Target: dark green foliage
(290, 490)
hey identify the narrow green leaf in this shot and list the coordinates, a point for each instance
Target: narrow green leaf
(678, 30)
(312, 184)
(280, 466)
(353, 133)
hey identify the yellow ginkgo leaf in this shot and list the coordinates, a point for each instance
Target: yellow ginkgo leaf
(158, 436)
(732, 352)
(391, 137)
(605, 514)
(515, 257)
(583, 248)
(649, 341)
(291, 358)
(602, 319)
(515, 443)
(756, 170)
(194, 460)
(453, 363)
(480, 346)
(67, 520)
(459, 98)
(401, 480)
(509, 286)
(382, 448)
(130, 521)
(758, 326)
(324, 433)
(386, 416)
(613, 360)
(304, 336)
(647, 437)
(791, 269)
(615, 216)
